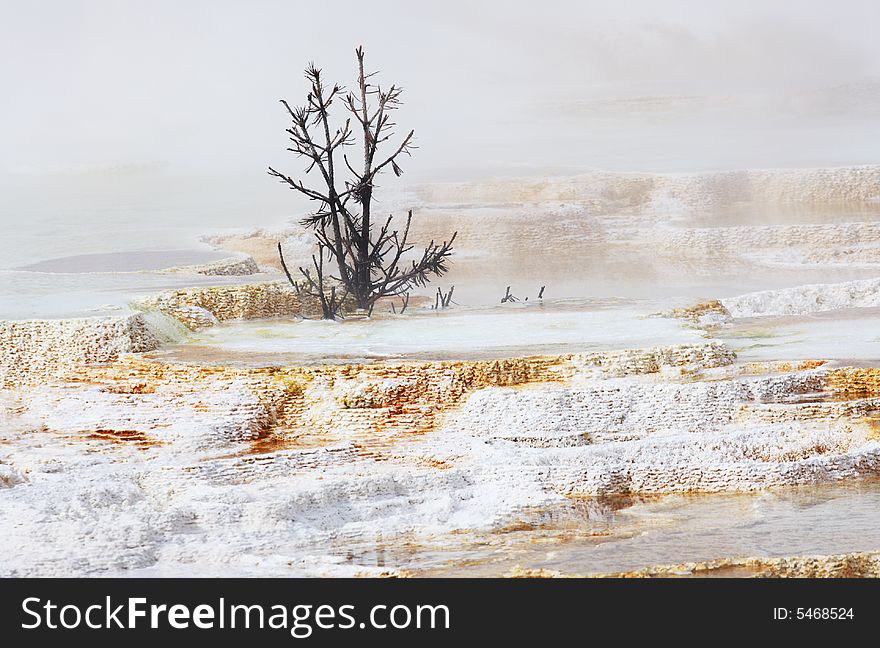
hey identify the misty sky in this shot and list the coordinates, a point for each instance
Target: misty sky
(492, 87)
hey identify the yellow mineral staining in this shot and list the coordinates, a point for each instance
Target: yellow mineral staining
(782, 366)
(806, 365)
(523, 572)
(134, 387)
(847, 396)
(851, 565)
(198, 308)
(377, 405)
(872, 422)
(687, 359)
(374, 404)
(693, 313)
(34, 351)
(855, 382)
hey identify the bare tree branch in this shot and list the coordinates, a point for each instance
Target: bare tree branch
(369, 260)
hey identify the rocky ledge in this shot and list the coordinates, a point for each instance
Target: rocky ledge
(41, 350)
(850, 565)
(199, 308)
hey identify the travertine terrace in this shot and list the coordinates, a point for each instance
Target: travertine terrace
(138, 444)
(855, 565)
(41, 350)
(202, 307)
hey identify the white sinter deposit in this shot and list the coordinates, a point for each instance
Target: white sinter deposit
(163, 476)
(244, 464)
(802, 300)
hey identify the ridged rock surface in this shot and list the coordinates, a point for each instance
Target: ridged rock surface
(850, 565)
(247, 469)
(199, 308)
(40, 350)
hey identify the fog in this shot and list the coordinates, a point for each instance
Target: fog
(175, 105)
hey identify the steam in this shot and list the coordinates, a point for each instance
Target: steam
(168, 105)
(98, 85)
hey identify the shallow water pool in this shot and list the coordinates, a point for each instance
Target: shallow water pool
(562, 327)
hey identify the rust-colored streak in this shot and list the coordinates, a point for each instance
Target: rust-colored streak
(272, 443)
(135, 437)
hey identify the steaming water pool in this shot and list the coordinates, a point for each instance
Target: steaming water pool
(457, 334)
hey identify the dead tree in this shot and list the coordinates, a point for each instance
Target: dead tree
(443, 300)
(331, 303)
(368, 259)
(405, 303)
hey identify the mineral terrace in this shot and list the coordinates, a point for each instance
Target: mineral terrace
(119, 457)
